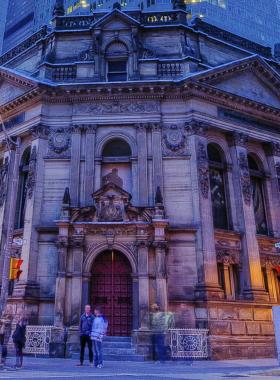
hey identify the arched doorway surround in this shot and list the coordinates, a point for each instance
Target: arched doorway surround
(112, 290)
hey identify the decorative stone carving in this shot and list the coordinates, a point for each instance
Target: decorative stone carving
(103, 230)
(76, 128)
(110, 211)
(272, 149)
(31, 179)
(116, 107)
(77, 243)
(59, 143)
(87, 55)
(84, 214)
(138, 46)
(270, 261)
(90, 128)
(174, 141)
(245, 178)
(155, 127)
(4, 181)
(237, 139)
(61, 243)
(203, 170)
(141, 127)
(160, 245)
(58, 9)
(96, 43)
(39, 131)
(143, 244)
(196, 127)
(228, 257)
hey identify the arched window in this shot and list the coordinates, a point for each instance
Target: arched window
(217, 187)
(22, 190)
(116, 164)
(116, 148)
(117, 58)
(257, 196)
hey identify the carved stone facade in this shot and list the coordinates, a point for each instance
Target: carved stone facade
(114, 177)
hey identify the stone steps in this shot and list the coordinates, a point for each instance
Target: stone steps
(116, 348)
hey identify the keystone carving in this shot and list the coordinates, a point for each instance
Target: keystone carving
(174, 141)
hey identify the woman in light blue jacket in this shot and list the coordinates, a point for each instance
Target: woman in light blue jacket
(98, 331)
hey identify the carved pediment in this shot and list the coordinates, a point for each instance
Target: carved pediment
(84, 214)
(248, 85)
(116, 20)
(13, 85)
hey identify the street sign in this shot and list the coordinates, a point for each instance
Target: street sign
(19, 241)
(277, 245)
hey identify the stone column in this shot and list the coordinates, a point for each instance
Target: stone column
(135, 289)
(77, 244)
(157, 156)
(86, 289)
(161, 285)
(75, 165)
(97, 178)
(228, 295)
(143, 270)
(272, 151)
(271, 283)
(208, 285)
(253, 285)
(60, 293)
(89, 158)
(142, 164)
(28, 286)
(6, 173)
(134, 163)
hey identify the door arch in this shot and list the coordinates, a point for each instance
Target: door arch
(111, 290)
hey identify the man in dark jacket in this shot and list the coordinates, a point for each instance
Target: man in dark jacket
(85, 325)
(19, 338)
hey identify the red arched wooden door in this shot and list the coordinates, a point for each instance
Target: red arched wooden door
(112, 290)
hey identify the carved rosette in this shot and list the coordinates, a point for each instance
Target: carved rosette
(59, 144)
(174, 140)
(4, 181)
(245, 178)
(31, 179)
(237, 139)
(203, 170)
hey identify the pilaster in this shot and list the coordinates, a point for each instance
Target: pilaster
(90, 130)
(75, 164)
(253, 286)
(142, 164)
(157, 156)
(208, 285)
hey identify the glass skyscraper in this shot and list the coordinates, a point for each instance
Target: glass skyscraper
(258, 21)
(3, 15)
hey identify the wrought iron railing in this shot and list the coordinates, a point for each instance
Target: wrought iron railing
(189, 343)
(167, 69)
(38, 339)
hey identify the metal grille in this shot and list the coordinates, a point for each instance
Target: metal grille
(38, 339)
(189, 343)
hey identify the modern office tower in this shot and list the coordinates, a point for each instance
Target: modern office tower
(256, 20)
(3, 15)
(19, 22)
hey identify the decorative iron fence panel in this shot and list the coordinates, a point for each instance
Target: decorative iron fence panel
(189, 343)
(38, 339)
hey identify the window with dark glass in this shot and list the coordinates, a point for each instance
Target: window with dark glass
(116, 148)
(22, 191)
(217, 188)
(257, 196)
(117, 71)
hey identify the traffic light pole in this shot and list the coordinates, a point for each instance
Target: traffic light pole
(10, 232)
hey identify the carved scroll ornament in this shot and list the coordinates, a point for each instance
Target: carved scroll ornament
(203, 170)
(245, 178)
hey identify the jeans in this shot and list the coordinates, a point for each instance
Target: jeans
(158, 343)
(19, 354)
(85, 339)
(97, 349)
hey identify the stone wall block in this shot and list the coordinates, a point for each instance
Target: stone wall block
(245, 314)
(267, 329)
(238, 328)
(262, 315)
(219, 328)
(201, 313)
(227, 313)
(253, 328)
(213, 313)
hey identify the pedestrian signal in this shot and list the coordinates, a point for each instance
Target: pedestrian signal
(15, 271)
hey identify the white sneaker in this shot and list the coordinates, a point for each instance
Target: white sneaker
(100, 366)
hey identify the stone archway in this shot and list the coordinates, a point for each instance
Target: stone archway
(112, 291)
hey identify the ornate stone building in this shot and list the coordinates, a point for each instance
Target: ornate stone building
(149, 172)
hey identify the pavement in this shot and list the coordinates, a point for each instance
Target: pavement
(46, 368)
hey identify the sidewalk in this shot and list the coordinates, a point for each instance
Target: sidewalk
(41, 369)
